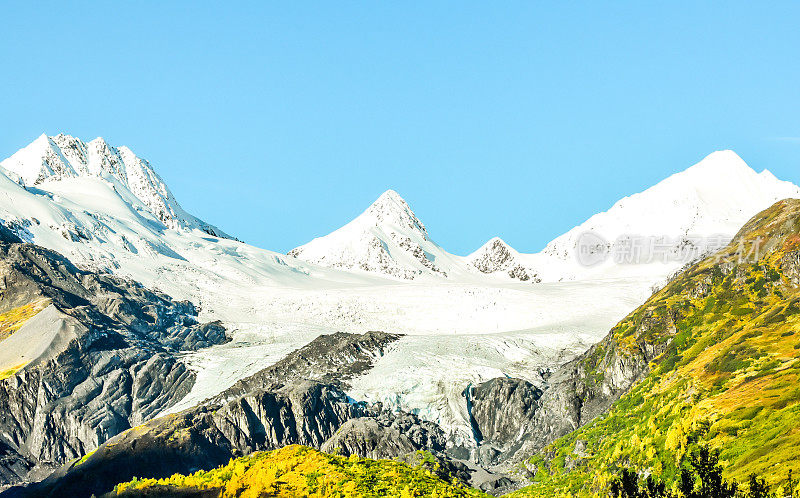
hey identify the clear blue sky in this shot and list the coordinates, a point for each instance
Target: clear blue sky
(280, 122)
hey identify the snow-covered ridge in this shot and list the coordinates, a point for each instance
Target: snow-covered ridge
(60, 157)
(713, 198)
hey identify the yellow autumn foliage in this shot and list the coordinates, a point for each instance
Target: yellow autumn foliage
(301, 471)
(12, 320)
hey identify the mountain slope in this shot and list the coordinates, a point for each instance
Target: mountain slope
(84, 357)
(388, 239)
(63, 156)
(283, 405)
(710, 359)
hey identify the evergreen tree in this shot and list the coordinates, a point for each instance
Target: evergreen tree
(791, 486)
(758, 488)
(705, 465)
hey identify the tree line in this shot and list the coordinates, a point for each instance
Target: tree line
(700, 477)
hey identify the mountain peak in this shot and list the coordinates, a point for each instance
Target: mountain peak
(387, 238)
(497, 241)
(497, 256)
(389, 201)
(492, 256)
(392, 210)
(722, 161)
(712, 198)
(391, 195)
(63, 156)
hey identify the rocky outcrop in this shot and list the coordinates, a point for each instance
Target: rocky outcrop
(499, 426)
(366, 437)
(108, 360)
(304, 412)
(497, 256)
(333, 358)
(384, 434)
(790, 266)
(205, 437)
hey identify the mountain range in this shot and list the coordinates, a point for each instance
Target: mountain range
(712, 198)
(119, 308)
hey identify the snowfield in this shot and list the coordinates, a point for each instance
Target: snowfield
(465, 319)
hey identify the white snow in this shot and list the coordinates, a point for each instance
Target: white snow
(715, 197)
(106, 209)
(387, 239)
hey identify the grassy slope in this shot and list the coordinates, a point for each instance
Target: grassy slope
(301, 471)
(12, 320)
(729, 377)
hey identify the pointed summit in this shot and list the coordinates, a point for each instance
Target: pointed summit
(387, 238)
(391, 209)
(497, 256)
(494, 255)
(721, 162)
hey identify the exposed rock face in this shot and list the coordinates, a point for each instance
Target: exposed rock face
(113, 366)
(502, 425)
(790, 266)
(366, 437)
(385, 435)
(259, 413)
(205, 437)
(497, 256)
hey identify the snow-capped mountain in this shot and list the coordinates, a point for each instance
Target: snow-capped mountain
(273, 303)
(497, 256)
(388, 239)
(709, 201)
(63, 156)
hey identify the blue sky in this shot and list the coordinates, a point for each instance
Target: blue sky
(282, 121)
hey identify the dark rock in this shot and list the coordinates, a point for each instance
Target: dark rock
(333, 358)
(790, 266)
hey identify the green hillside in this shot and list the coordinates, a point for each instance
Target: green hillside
(728, 378)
